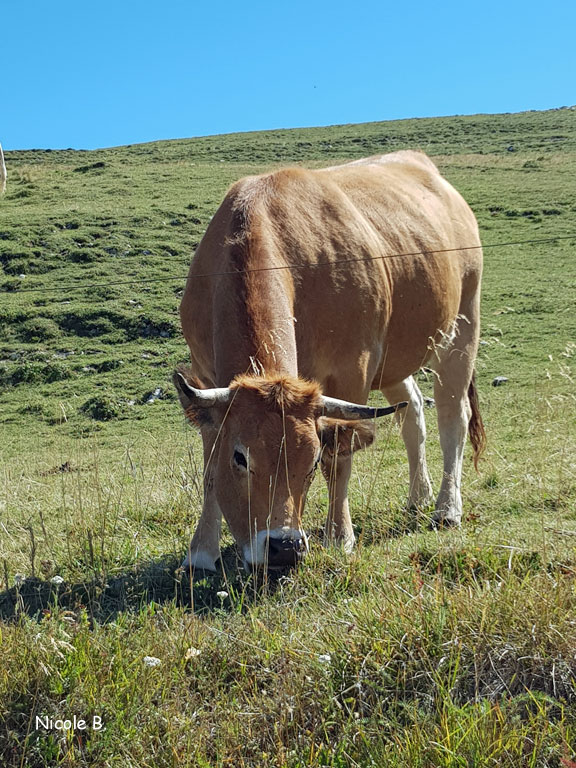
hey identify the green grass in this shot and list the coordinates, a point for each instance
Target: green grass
(422, 649)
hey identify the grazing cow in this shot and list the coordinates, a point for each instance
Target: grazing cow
(3, 174)
(309, 289)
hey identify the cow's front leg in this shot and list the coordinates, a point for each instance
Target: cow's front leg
(204, 549)
(337, 470)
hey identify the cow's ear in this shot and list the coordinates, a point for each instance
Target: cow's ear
(343, 438)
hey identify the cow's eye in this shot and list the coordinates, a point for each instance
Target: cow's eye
(240, 459)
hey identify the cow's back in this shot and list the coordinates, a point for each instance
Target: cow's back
(421, 221)
(367, 293)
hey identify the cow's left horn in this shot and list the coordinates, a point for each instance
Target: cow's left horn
(342, 409)
(201, 398)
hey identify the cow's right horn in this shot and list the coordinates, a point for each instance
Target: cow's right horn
(201, 398)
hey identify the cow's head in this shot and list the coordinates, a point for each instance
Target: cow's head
(263, 439)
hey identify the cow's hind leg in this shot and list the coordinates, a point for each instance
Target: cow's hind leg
(337, 470)
(413, 428)
(454, 366)
(204, 549)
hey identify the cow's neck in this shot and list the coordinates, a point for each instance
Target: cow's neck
(256, 333)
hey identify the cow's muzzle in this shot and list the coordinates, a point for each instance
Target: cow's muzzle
(285, 552)
(277, 548)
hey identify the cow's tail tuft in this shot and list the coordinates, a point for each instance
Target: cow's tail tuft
(476, 429)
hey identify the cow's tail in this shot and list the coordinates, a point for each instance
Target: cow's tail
(476, 429)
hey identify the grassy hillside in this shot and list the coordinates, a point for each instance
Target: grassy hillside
(424, 648)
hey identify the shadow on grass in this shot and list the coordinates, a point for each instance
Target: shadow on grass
(401, 522)
(162, 581)
(157, 581)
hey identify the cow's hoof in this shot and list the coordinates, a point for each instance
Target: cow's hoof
(421, 500)
(199, 561)
(438, 522)
(420, 508)
(347, 544)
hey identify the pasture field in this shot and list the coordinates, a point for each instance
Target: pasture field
(424, 648)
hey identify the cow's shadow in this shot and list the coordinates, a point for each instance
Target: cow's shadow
(154, 582)
(159, 581)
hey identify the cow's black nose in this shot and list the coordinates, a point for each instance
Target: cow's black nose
(285, 552)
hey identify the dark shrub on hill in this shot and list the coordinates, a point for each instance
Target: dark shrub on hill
(82, 255)
(107, 365)
(38, 329)
(21, 194)
(91, 322)
(15, 260)
(33, 373)
(103, 407)
(11, 285)
(92, 167)
(152, 327)
(35, 266)
(38, 409)
(113, 323)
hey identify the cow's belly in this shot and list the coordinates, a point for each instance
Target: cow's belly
(378, 337)
(350, 370)
(413, 339)
(400, 362)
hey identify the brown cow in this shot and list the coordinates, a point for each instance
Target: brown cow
(296, 296)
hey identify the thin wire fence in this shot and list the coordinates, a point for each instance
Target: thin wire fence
(319, 265)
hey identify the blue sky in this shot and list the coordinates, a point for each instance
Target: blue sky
(97, 74)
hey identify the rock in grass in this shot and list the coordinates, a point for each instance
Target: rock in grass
(151, 397)
(499, 380)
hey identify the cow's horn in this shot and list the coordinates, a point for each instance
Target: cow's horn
(342, 409)
(202, 398)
